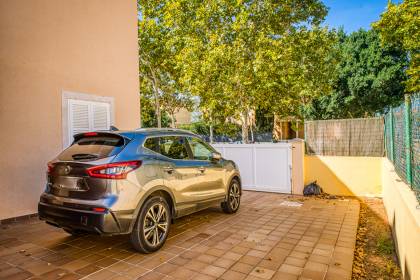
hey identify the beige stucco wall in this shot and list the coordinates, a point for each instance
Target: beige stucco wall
(47, 47)
(404, 217)
(350, 176)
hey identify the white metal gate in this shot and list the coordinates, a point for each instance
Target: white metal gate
(263, 167)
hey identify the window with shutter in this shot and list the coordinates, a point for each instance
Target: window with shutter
(100, 116)
(86, 116)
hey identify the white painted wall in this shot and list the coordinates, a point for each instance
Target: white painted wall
(263, 167)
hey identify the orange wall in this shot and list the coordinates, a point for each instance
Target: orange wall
(47, 47)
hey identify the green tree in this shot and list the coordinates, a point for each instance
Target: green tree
(148, 113)
(369, 79)
(159, 78)
(239, 55)
(399, 26)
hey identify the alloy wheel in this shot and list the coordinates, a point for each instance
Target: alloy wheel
(234, 196)
(155, 224)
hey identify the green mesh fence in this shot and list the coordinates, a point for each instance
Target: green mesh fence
(415, 141)
(402, 141)
(399, 141)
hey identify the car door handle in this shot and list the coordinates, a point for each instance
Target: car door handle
(168, 169)
(201, 169)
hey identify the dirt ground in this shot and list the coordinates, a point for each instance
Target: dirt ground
(374, 257)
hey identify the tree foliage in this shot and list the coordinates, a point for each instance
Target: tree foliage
(369, 79)
(159, 84)
(399, 26)
(241, 55)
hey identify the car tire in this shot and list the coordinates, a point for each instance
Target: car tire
(233, 200)
(152, 225)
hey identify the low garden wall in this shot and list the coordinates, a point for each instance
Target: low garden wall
(404, 217)
(345, 175)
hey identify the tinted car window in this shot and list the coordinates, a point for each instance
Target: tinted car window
(92, 148)
(152, 144)
(173, 147)
(200, 150)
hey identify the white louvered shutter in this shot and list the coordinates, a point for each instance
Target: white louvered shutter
(100, 116)
(84, 116)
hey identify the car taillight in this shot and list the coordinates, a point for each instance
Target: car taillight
(116, 170)
(50, 168)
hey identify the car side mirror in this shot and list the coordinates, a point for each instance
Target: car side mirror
(216, 156)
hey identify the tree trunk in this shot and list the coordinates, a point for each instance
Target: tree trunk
(245, 127)
(157, 109)
(173, 125)
(141, 119)
(211, 130)
(252, 133)
(157, 103)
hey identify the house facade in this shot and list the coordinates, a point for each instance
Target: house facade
(65, 67)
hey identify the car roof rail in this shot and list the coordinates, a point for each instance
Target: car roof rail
(167, 129)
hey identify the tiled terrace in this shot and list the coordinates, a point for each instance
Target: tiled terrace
(264, 240)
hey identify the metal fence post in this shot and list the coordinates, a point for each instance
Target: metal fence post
(407, 137)
(391, 133)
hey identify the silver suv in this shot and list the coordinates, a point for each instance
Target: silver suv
(136, 182)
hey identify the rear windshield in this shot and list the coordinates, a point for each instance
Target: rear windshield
(93, 148)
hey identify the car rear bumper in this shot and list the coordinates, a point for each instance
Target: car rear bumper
(102, 223)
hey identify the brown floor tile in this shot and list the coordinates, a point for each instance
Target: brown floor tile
(196, 265)
(224, 263)
(242, 267)
(284, 276)
(14, 273)
(214, 271)
(233, 275)
(270, 264)
(54, 274)
(183, 273)
(89, 269)
(167, 268)
(201, 276)
(102, 274)
(178, 261)
(295, 261)
(152, 276)
(291, 269)
(262, 273)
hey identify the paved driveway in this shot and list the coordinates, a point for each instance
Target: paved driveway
(273, 236)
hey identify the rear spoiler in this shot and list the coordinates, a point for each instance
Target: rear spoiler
(98, 133)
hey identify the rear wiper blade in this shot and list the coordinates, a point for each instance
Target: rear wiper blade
(84, 156)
